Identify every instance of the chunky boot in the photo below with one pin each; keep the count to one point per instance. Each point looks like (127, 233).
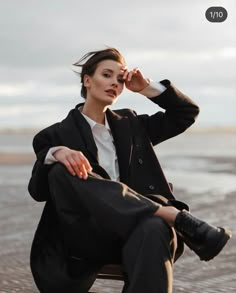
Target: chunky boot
(204, 239)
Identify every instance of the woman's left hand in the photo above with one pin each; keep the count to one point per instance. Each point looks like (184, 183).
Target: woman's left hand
(134, 80)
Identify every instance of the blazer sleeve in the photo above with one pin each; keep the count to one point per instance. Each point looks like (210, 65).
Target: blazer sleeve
(180, 113)
(38, 185)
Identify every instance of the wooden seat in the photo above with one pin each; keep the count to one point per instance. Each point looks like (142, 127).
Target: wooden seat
(111, 272)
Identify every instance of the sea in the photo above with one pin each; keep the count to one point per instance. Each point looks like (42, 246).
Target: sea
(34, 113)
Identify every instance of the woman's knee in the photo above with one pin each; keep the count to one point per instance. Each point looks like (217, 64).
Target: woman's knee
(58, 171)
(157, 227)
(155, 230)
(59, 179)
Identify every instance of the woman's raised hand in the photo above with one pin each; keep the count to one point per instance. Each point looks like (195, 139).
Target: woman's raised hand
(134, 80)
(75, 162)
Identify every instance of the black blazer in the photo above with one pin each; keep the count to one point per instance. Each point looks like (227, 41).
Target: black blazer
(134, 138)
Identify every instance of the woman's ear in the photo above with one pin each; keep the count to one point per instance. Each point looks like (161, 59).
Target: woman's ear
(86, 80)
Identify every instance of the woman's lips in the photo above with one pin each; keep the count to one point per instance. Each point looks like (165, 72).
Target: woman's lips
(111, 92)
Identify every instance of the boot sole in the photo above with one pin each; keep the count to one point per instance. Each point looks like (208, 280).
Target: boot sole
(214, 251)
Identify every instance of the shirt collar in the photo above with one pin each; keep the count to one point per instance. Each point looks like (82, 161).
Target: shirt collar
(93, 123)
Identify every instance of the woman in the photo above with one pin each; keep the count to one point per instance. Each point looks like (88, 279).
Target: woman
(107, 200)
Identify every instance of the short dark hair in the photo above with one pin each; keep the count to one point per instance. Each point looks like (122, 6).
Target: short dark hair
(93, 58)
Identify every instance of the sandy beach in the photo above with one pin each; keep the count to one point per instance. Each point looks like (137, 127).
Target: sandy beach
(200, 164)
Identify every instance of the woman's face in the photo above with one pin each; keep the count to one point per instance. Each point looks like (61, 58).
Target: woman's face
(106, 84)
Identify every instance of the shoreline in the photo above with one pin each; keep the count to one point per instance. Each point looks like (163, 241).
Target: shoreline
(193, 129)
(16, 146)
(16, 158)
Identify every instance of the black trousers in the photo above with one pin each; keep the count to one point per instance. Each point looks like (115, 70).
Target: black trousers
(104, 222)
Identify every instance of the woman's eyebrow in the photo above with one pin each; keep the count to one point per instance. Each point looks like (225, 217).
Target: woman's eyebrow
(107, 69)
(112, 71)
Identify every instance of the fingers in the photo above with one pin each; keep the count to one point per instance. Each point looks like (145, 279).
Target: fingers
(69, 167)
(83, 166)
(79, 164)
(133, 73)
(128, 75)
(75, 162)
(134, 79)
(125, 72)
(74, 166)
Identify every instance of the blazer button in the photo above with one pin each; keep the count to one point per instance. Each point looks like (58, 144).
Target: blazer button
(151, 187)
(140, 161)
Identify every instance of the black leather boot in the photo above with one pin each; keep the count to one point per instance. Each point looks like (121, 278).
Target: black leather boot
(204, 239)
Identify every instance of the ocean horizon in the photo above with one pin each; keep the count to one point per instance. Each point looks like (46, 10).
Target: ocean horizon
(31, 113)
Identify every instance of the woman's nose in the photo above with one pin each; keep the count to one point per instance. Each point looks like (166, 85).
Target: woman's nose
(115, 83)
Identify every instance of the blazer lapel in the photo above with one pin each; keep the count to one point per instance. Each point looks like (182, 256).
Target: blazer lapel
(120, 127)
(77, 134)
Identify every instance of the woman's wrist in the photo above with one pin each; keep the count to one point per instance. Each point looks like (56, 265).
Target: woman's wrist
(153, 89)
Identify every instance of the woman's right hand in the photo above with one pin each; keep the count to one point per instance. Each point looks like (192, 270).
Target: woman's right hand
(75, 161)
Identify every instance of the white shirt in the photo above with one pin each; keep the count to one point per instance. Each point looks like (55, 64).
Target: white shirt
(103, 138)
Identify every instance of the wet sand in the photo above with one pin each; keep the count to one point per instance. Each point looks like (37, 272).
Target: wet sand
(202, 167)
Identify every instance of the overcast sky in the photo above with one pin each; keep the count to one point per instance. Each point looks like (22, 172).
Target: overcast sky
(166, 39)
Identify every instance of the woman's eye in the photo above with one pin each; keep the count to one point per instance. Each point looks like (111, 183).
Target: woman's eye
(106, 75)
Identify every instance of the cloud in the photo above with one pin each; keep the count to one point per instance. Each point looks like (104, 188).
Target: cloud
(166, 39)
(52, 33)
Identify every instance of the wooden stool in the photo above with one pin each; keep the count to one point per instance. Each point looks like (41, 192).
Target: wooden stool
(110, 272)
